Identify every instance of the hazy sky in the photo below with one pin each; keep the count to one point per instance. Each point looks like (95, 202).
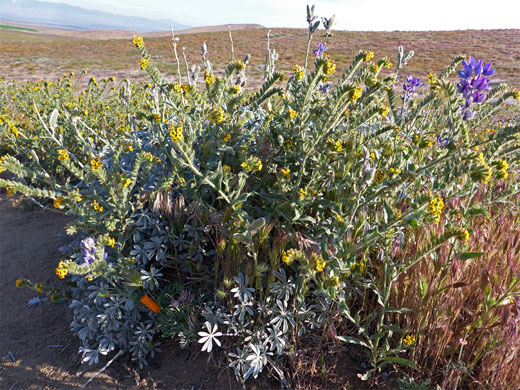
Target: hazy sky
(350, 14)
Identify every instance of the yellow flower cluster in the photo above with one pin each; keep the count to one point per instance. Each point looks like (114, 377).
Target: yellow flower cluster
(96, 206)
(111, 242)
(9, 190)
(127, 182)
(502, 166)
(138, 41)
(330, 67)
(292, 113)
(176, 87)
(394, 171)
(226, 137)
(240, 65)
(340, 219)
(379, 176)
(463, 235)
(435, 208)
(157, 118)
(235, 89)
(11, 128)
(409, 340)
(517, 94)
(62, 154)
(289, 256)
(186, 87)
(252, 164)
(432, 78)
(176, 133)
(286, 172)
(143, 63)
(95, 164)
(301, 193)
(57, 202)
(356, 94)
(487, 168)
(387, 63)
(217, 115)
(62, 269)
(319, 263)
(298, 72)
(367, 55)
(19, 282)
(209, 77)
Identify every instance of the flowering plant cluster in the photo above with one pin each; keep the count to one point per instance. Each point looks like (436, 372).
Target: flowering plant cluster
(256, 221)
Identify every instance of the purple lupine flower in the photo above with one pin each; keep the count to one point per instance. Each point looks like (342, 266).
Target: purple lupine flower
(88, 250)
(409, 87)
(318, 52)
(473, 84)
(324, 88)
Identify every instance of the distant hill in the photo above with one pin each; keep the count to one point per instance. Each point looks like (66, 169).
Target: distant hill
(77, 18)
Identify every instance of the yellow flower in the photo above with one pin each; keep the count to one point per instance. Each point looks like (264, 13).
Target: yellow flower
(292, 113)
(127, 182)
(19, 282)
(176, 87)
(209, 77)
(463, 235)
(384, 110)
(62, 154)
(235, 89)
(320, 263)
(138, 41)
(367, 55)
(62, 269)
(409, 340)
(286, 172)
(258, 165)
(157, 118)
(143, 63)
(226, 168)
(9, 190)
(340, 219)
(57, 202)
(111, 242)
(338, 146)
(356, 94)
(432, 78)
(289, 256)
(176, 133)
(217, 115)
(186, 87)
(379, 177)
(330, 67)
(227, 137)
(301, 193)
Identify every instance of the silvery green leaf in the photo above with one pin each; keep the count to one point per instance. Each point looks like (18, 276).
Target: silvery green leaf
(53, 120)
(256, 225)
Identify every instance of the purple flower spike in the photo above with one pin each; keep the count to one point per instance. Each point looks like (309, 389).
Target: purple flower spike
(320, 50)
(88, 250)
(473, 83)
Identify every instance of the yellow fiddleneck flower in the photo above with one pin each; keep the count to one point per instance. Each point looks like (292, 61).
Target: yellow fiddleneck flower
(111, 242)
(409, 340)
(379, 176)
(330, 67)
(19, 282)
(209, 77)
(356, 94)
(138, 41)
(286, 172)
(367, 55)
(292, 113)
(62, 154)
(57, 202)
(143, 63)
(320, 263)
(127, 182)
(301, 193)
(227, 137)
(186, 87)
(338, 146)
(340, 219)
(217, 115)
(235, 89)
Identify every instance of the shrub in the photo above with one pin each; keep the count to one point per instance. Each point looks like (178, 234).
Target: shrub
(259, 219)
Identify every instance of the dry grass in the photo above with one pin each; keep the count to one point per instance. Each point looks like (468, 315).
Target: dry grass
(31, 56)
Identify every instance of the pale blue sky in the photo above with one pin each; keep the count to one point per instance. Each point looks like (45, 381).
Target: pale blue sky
(350, 14)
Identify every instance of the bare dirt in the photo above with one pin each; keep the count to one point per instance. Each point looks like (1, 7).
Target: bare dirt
(39, 339)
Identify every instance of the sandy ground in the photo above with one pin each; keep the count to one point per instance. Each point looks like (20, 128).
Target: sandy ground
(29, 249)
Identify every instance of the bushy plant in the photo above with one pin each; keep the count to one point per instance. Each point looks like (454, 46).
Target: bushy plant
(272, 214)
